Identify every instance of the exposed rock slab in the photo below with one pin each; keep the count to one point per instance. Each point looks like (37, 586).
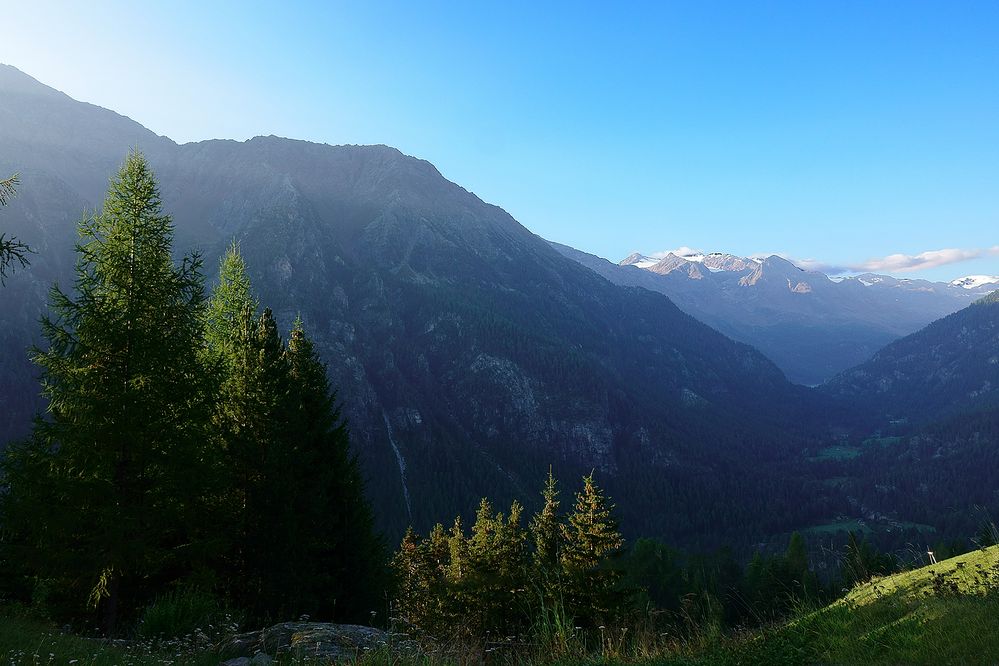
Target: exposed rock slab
(319, 640)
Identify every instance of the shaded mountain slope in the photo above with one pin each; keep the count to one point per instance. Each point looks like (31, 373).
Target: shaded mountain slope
(469, 354)
(950, 366)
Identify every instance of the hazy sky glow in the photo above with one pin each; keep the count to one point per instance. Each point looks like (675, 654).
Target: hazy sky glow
(855, 134)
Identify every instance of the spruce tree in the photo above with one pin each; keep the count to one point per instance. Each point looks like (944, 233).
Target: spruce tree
(412, 571)
(591, 542)
(804, 583)
(104, 496)
(304, 540)
(443, 609)
(341, 558)
(259, 453)
(545, 529)
(546, 574)
(498, 567)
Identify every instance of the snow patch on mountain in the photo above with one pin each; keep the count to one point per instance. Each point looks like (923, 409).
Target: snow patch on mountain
(684, 252)
(639, 260)
(975, 281)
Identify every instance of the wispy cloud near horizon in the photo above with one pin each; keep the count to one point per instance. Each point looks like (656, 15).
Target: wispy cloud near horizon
(900, 263)
(892, 263)
(904, 263)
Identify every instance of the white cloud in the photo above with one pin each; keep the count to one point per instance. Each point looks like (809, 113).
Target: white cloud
(683, 251)
(906, 263)
(893, 263)
(820, 266)
(897, 263)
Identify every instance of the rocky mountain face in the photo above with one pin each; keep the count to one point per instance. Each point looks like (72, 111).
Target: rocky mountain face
(469, 354)
(811, 326)
(949, 367)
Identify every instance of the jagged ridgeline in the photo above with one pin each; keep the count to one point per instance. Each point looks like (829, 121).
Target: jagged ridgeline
(812, 326)
(468, 354)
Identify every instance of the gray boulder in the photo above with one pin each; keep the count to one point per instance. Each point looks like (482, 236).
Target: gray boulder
(318, 640)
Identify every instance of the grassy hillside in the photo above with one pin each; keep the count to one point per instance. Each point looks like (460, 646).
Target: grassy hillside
(947, 613)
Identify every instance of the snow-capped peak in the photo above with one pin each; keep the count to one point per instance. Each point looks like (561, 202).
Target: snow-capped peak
(975, 281)
(715, 262)
(639, 260)
(688, 253)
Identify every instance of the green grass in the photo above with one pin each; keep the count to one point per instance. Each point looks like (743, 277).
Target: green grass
(947, 613)
(24, 641)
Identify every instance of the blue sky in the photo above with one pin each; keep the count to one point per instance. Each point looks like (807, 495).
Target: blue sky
(841, 132)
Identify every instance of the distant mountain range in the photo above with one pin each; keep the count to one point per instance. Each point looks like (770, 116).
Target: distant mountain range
(469, 354)
(812, 326)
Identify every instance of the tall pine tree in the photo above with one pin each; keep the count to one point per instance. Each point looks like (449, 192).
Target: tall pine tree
(303, 540)
(341, 568)
(545, 532)
(591, 541)
(103, 499)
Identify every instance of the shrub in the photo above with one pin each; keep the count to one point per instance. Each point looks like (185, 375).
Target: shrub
(183, 612)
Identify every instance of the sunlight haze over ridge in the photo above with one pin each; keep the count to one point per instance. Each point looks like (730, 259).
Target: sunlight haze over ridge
(842, 133)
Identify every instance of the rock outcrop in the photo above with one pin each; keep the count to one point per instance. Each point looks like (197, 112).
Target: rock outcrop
(317, 640)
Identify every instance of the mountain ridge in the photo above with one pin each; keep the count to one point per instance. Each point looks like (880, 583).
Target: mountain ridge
(810, 325)
(948, 367)
(469, 354)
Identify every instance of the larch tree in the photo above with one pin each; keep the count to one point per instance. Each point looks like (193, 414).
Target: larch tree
(230, 301)
(103, 497)
(13, 253)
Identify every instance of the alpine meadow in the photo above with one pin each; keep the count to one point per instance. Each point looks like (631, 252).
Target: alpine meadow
(270, 400)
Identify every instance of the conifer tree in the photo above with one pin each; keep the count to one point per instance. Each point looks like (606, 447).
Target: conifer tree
(803, 581)
(591, 534)
(305, 541)
(442, 612)
(458, 564)
(12, 251)
(341, 558)
(259, 449)
(232, 298)
(412, 581)
(498, 567)
(545, 530)
(591, 541)
(546, 575)
(104, 497)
